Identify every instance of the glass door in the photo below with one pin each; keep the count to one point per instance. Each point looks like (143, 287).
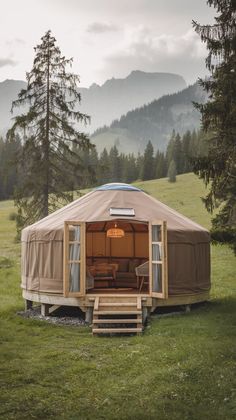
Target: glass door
(74, 259)
(158, 275)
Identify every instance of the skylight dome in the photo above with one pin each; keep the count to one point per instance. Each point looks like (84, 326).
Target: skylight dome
(117, 186)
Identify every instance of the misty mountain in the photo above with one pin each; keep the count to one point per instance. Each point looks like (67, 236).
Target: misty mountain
(154, 122)
(9, 90)
(103, 103)
(118, 96)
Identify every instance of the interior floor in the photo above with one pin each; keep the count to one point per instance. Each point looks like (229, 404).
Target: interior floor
(117, 290)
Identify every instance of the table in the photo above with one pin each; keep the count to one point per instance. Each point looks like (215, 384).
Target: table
(104, 271)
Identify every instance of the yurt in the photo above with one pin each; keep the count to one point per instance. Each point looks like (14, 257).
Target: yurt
(115, 252)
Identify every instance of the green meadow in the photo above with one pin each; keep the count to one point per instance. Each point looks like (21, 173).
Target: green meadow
(181, 367)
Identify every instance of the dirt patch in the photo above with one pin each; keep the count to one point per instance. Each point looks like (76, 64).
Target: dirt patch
(62, 316)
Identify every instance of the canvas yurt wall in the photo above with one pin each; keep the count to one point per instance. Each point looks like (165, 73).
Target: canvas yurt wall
(188, 242)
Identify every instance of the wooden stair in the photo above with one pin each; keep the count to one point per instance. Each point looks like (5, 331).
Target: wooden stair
(117, 315)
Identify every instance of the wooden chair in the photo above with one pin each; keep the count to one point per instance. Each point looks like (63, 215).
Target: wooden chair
(142, 273)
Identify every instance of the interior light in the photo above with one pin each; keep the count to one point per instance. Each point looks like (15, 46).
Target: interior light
(115, 232)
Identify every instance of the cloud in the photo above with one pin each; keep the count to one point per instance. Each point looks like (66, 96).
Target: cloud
(15, 41)
(7, 62)
(183, 54)
(100, 28)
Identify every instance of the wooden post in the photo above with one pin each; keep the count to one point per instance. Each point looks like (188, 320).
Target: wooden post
(144, 314)
(28, 304)
(187, 308)
(45, 309)
(89, 315)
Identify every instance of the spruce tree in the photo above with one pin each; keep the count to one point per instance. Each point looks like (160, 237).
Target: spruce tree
(104, 170)
(218, 167)
(148, 163)
(130, 172)
(49, 131)
(172, 172)
(160, 165)
(178, 154)
(186, 144)
(115, 165)
(9, 150)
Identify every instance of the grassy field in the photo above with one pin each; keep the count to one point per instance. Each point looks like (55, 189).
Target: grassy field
(182, 367)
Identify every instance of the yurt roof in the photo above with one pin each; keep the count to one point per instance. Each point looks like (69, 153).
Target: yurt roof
(95, 206)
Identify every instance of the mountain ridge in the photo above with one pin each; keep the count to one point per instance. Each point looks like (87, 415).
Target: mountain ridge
(104, 103)
(154, 121)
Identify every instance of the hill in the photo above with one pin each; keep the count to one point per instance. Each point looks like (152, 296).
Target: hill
(106, 102)
(154, 122)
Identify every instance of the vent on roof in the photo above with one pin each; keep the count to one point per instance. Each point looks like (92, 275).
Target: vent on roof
(117, 186)
(115, 211)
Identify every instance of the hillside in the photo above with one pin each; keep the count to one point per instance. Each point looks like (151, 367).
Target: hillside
(154, 122)
(106, 102)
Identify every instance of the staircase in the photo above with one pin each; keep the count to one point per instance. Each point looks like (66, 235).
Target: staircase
(117, 315)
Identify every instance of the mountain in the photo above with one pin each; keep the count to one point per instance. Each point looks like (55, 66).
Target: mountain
(118, 96)
(103, 103)
(154, 122)
(9, 90)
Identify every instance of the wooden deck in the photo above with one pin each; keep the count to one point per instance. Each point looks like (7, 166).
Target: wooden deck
(112, 309)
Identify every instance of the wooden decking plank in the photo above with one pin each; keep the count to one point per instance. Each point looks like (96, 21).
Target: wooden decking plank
(118, 304)
(116, 330)
(117, 312)
(116, 321)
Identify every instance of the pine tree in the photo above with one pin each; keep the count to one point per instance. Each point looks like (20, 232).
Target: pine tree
(9, 150)
(139, 163)
(115, 165)
(130, 172)
(93, 165)
(172, 172)
(148, 163)
(104, 170)
(49, 131)
(178, 154)
(160, 165)
(186, 144)
(218, 168)
(170, 148)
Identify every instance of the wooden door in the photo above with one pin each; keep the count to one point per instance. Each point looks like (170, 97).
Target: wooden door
(74, 259)
(158, 275)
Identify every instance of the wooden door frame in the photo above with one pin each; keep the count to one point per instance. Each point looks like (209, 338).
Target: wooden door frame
(82, 242)
(163, 262)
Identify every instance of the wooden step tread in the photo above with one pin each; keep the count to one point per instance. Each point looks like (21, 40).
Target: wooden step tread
(116, 330)
(117, 304)
(117, 321)
(125, 312)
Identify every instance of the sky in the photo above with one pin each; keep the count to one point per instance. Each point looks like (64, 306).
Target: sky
(106, 38)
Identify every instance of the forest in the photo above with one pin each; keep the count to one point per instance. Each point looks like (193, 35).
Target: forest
(110, 166)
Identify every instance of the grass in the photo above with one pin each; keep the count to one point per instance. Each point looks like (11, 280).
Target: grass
(182, 367)
(183, 195)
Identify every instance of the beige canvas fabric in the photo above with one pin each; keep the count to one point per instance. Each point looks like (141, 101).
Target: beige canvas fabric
(188, 242)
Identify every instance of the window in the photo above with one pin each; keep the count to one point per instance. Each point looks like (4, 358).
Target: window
(74, 252)
(158, 259)
(114, 211)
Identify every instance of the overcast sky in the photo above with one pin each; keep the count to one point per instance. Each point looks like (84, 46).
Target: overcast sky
(107, 38)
